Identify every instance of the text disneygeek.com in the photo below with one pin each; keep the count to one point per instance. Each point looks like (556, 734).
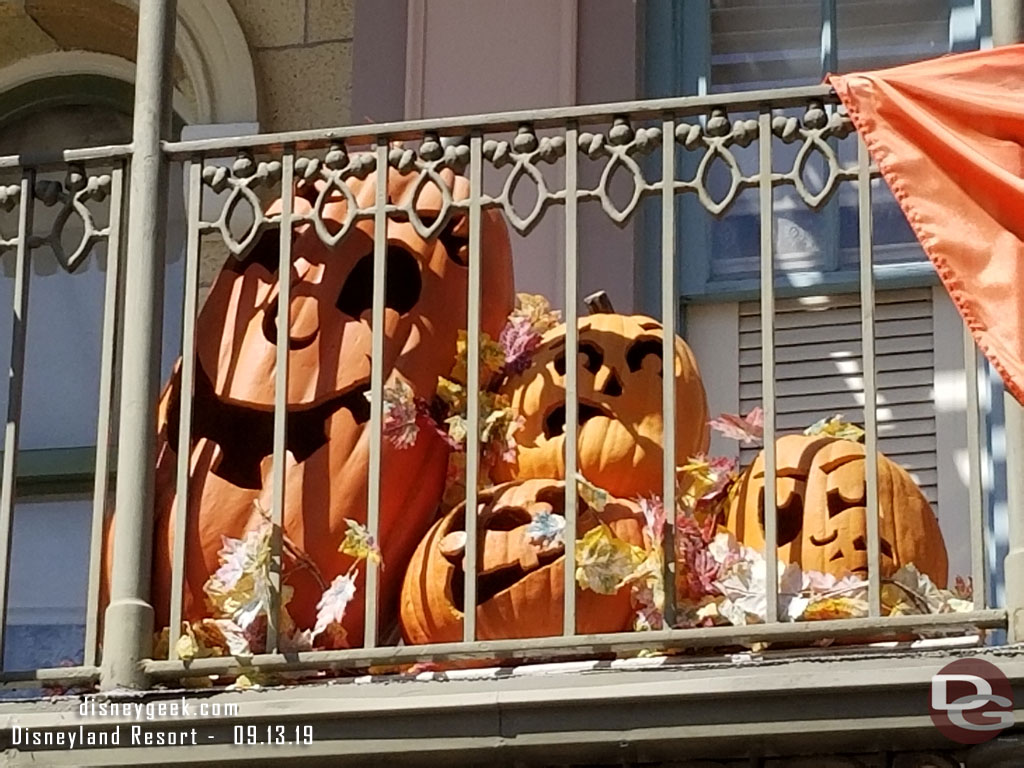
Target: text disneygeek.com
(148, 731)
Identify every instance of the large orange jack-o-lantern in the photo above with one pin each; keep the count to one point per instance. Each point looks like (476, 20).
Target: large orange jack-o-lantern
(520, 585)
(620, 419)
(328, 436)
(821, 501)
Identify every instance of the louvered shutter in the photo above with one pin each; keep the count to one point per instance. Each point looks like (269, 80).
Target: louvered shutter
(819, 371)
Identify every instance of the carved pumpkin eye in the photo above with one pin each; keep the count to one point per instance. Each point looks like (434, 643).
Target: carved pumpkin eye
(401, 292)
(593, 358)
(789, 516)
(640, 349)
(455, 241)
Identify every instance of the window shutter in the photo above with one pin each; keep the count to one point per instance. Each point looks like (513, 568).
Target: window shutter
(819, 371)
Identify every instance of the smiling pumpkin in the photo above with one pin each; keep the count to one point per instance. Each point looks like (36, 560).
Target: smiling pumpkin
(619, 441)
(328, 438)
(821, 502)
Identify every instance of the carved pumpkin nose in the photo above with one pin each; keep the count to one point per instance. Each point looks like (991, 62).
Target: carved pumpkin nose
(303, 322)
(612, 385)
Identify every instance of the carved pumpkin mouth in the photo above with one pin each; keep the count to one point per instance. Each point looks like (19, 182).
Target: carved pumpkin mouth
(245, 434)
(493, 583)
(554, 422)
(493, 580)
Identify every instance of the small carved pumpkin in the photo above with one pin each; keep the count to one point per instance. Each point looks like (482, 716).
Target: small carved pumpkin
(620, 418)
(328, 436)
(519, 584)
(821, 501)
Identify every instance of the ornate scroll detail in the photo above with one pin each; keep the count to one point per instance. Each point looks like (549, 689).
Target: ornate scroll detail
(813, 131)
(717, 138)
(10, 195)
(431, 166)
(525, 151)
(434, 156)
(244, 177)
(327, 181)
(621, 146)
(73, 196)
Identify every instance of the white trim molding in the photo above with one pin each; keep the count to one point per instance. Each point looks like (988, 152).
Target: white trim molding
(212, 48)
(216, 56)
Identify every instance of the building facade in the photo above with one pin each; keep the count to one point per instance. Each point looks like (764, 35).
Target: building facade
(300, 68)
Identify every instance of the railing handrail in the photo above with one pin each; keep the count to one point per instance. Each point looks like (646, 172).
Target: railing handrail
(43, 160)
(680, 106)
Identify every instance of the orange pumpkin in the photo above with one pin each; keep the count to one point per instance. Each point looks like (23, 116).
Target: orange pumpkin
(328, 438)
(821, 501)
(620, 420)
(520, 586)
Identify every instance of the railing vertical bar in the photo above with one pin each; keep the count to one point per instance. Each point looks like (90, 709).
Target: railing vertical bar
(571, 373)
(668, 356)
(128, 620)
(380, 251)
(187, 388)
(108, 357)
(280, 469)
(473, 383)
(975, 494)
(16, 380)
(1013, 564)
(867, 317)
(767, 224)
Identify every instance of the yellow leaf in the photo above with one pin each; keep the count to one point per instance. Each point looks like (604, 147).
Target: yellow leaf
(186, 647)
(595, 498)
(536, 310)
(492, 356)
(358, 543)
(836, 427)
(605, 562)
(835, 608)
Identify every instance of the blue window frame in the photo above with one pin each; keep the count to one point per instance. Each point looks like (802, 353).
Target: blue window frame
(712, 46)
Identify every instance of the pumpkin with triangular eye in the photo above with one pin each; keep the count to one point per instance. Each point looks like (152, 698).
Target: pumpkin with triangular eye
(821, 502)
(328, 437)
(619, 441)
(520, 582)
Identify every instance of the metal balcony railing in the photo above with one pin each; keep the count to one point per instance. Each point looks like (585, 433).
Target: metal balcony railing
(646, 140)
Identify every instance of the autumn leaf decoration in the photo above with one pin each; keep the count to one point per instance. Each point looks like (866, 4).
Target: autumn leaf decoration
(747, 429)
(835, 426)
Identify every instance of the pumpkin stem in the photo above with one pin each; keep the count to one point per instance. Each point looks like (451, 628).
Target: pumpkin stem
(599, 304)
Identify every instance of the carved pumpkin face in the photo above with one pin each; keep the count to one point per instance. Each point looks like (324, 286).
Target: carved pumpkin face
(519, 585)
(620, 420)
(329, 374)
(821, 500)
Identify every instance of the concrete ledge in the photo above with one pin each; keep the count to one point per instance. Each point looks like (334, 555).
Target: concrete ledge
(543, 714)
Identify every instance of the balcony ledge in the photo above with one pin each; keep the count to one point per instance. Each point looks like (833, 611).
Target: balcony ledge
(633, 711)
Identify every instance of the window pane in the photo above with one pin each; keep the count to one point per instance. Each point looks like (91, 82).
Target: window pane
(764, 44)
(49, 577)
(778, 44)
(880, 33)
(65, 317)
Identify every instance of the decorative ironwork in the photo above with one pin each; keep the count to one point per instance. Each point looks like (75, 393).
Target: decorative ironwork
(814, 130)
(9, 198)
(327, 179)
(717, 137)
(73, 195)
(524, 152)
(622, 145)
(245, 176)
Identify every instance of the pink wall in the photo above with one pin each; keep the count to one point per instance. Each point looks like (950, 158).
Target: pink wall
(467, 56)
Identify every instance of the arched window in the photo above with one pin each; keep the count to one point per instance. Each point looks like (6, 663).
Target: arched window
(69, 83)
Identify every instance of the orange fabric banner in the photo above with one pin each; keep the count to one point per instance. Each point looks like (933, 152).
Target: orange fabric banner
(948, 137)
